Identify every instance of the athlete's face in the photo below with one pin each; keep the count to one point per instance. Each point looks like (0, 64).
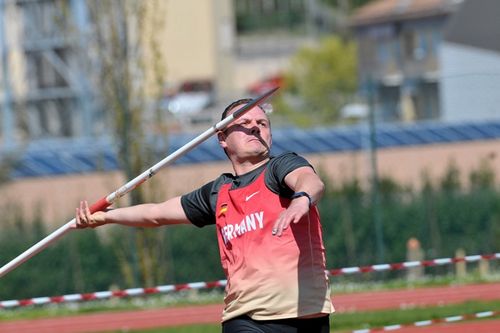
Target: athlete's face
(248, 137)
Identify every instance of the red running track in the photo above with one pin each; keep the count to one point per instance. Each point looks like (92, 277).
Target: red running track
(376, 300)
(416, 297)
(490, 326)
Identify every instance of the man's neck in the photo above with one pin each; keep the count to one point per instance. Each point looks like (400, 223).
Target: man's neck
(240, 168)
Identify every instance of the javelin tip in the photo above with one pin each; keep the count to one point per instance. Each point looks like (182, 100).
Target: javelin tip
(254, 102)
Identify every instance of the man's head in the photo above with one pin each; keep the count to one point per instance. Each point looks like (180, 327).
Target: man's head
(230, 107)
(249, 136)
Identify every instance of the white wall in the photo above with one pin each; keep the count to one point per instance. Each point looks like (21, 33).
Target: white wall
(469, 83)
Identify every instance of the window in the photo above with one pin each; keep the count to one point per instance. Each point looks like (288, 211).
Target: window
(409, 44)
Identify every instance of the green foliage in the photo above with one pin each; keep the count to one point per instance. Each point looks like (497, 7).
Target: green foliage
(8, 162)
(125, 61)
(194, 254)
(321, 80)
(251, 22)
(451, 180)
(77, 263)
(352, 4)
(443, 220)
(442, 217)
(484, 177)
(84, 261)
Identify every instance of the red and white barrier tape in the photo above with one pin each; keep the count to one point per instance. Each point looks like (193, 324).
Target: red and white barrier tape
(222, 283)
(429, 322)
(411, 264)
(110, 294)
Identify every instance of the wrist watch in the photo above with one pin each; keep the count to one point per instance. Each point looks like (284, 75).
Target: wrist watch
(302, 194)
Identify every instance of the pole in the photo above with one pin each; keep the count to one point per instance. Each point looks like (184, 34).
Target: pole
(375, 201)
(106, 201)
(7, 130)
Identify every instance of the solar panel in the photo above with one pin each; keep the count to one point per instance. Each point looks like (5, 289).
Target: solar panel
(65, 156)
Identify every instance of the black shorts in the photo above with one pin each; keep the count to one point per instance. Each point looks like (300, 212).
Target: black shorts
(245, 324)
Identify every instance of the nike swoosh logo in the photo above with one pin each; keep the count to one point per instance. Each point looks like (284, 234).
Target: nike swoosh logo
(250, 196)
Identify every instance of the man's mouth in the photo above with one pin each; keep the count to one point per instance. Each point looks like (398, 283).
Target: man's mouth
(255, 139)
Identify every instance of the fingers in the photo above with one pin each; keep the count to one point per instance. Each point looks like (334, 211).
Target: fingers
(283, 222)
(87, 211)
(292, 214)
(81, 219)
(279, 227)
(84, 218)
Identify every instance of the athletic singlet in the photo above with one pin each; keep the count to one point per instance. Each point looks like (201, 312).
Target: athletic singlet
(269, 277)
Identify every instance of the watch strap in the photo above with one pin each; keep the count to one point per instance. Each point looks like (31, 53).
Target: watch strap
(302, 194)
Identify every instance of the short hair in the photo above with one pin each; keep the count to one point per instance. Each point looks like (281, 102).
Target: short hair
(233, 105)
(266, 108)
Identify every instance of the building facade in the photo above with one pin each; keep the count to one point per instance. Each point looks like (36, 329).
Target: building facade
(470, 63)
(49, 65)
(407, 154)
(398, 55)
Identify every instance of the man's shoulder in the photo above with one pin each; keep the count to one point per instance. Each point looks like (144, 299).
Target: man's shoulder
(221, 180)
(287, 158)
(214, 185)
(282, 164)
(287, 155)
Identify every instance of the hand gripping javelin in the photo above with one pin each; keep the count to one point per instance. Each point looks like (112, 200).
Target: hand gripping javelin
(106, 201)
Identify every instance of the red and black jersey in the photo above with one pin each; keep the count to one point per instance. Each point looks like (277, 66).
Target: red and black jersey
(269, 277)
(199, 205)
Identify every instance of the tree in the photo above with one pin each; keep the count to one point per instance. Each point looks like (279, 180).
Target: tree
(131, 74)
(320, 81)
(346, 5)
(7, 163)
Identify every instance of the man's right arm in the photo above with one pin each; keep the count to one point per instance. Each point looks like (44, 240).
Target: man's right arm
(145, 215)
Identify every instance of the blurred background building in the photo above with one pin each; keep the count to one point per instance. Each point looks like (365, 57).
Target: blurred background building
(432, 80)
(394, 102)
(427, 60)
(214, 51)
(470, 63)
(47, 91)
(414, 56)
(399, 55)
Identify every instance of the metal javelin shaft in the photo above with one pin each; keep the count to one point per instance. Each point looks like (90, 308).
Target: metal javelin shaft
(106, 201)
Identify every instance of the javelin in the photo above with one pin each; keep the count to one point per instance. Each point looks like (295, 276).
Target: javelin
(106, 201)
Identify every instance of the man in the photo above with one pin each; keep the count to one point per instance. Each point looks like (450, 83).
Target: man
(268, 229)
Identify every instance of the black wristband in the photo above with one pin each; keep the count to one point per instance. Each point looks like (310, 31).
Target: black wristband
(302, 194)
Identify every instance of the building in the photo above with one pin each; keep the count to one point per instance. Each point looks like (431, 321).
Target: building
(48, 77)
(405, 153)
(49, 63)
(48, 95)
(66, 151)
(398, 54)
(470, 63)
(45, 93)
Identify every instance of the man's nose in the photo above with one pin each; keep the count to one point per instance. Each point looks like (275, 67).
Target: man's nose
(255, 129)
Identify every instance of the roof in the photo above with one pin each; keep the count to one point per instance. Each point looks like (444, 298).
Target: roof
(477, 24)
(60, 157)
(382, 11)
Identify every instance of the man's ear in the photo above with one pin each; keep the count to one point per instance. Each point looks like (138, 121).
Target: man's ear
(221, 136)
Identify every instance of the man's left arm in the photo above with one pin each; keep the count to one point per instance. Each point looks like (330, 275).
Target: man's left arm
(308, 189)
